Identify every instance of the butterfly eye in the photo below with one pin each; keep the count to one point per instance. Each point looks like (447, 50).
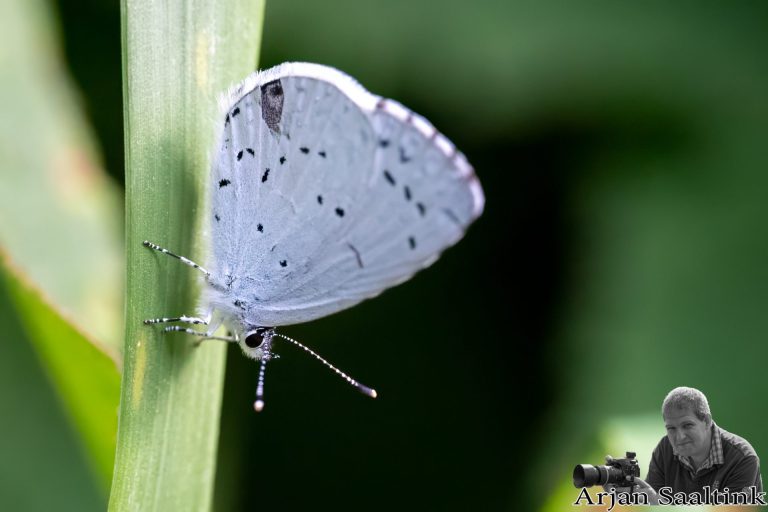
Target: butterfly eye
(255, 339)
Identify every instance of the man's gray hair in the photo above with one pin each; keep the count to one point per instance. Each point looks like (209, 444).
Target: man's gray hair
(688, 398)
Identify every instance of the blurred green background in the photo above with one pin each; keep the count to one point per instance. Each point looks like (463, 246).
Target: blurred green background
(623, 252)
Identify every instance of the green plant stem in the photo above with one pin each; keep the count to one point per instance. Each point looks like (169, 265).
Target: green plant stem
(177, 58)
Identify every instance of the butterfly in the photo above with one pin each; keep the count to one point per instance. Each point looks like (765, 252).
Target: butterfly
(321, 195)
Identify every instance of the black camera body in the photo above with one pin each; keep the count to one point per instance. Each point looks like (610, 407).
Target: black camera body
(621, 472)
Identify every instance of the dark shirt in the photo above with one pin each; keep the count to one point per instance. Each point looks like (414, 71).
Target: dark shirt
(740, 467)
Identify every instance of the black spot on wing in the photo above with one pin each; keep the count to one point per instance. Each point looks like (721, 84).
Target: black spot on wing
(236, 111)
(389, 178)
(321, 153)
(272, 104)
(239, 155)
(304, 150)
(404, 159)
(216, 216)
(319, 199)
(226, 121)
(224, 183)
(250, 151)
(412, 242)
(407, 191)
(265, 175)
(282, 160)
(259, 228)
(422, 208)
(383, 143)
(283, 263)
(340, 212)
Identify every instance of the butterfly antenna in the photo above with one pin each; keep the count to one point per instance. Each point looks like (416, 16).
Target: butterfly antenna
(360, 387)
(259, 403)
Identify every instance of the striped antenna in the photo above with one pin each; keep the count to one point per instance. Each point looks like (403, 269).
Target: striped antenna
(360, 387)
(258, 405)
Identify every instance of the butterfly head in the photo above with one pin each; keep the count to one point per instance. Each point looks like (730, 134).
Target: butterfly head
(257, 343)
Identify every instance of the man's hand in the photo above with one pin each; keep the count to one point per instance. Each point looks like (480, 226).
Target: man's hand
(643, 486)
(640, 485)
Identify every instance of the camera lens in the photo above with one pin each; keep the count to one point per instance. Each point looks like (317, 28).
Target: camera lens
(585, 475)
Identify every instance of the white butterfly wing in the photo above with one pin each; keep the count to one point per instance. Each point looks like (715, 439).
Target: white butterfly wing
(325, 195)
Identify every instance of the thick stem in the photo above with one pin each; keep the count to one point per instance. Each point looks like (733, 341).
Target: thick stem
(177, 57)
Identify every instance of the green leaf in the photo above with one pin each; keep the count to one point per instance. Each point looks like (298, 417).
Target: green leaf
(59, 214)
(86, 380)
(177, 58)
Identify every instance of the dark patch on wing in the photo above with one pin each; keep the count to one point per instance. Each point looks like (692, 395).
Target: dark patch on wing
(216, 216)
(407, 191)
(339, 212)
(226, 120)
(282, 160)
(321, 153)
(357, 255)
(272, 104)
(389, 178)
(265, 175)
(422, 208)
(224, 183)
(259, 228)
(236, 111)
(239, 155)
(412, 242)
(319, 199)
(283, 263)
(449, 213)
(304, 150)
(383, 143)
(250, 151)
(403, 157)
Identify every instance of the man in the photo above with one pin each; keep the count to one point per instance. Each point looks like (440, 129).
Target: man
(696, 453)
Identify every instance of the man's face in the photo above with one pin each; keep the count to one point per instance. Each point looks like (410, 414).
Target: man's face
(689, 435)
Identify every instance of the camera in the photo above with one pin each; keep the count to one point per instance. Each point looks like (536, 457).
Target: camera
(615, 471)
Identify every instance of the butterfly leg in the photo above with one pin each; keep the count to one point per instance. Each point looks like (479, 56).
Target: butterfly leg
(183, 318)
(206, 320)
(184, 260)
(208, 335)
